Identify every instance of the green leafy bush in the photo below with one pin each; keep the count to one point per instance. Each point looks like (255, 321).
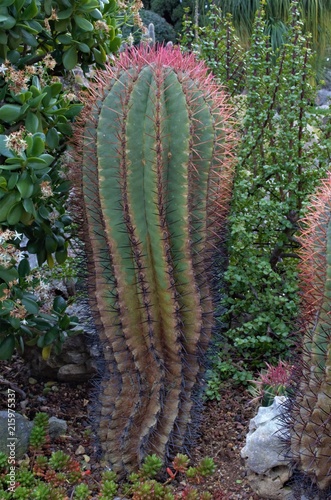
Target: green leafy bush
(217, 44)
(29, 314)
(285, 150)
(39, 40)
(164, 32)
(73, 32)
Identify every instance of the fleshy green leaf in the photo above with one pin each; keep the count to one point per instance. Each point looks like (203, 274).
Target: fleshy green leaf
(83, 23)
(7, 346)
(10, 112)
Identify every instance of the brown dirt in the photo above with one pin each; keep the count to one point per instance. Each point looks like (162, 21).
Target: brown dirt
(223, 428)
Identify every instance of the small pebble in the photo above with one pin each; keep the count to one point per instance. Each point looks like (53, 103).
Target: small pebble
(80, 450)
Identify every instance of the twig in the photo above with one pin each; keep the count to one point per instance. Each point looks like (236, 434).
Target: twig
(13, 386)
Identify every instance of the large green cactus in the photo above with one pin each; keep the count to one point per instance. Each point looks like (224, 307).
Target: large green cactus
(311, 413)
(154, 156)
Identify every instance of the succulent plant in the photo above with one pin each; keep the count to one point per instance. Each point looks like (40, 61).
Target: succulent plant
(153, 150)
(311, 408)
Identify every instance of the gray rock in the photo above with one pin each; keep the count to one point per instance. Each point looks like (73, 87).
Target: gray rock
(57, 427)
(14, 434)
(74, 373)
(267, 467)
(323, 97)
(75, 352)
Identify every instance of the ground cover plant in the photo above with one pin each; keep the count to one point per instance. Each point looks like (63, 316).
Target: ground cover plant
(55, 475)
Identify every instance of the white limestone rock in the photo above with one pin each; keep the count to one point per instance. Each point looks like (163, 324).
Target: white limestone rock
(268, 469)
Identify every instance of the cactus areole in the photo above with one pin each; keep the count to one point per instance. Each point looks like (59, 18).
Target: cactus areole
(153, 151)
(310, 425)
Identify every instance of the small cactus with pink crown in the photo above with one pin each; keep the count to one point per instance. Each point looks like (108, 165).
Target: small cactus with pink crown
(154, 156)
(310, 423)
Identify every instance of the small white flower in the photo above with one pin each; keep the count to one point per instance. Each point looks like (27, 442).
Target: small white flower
(18, 235)
(130, 40)
(3, 69)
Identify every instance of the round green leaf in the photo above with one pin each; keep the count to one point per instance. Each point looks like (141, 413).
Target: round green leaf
(30, 305)
(64, 128)
(43, 212)
(24, 268)
(3, 183)
(7, 346)
(40, 341)
(6, 203)
(61, 256)
(83, 23)
(29, 206)
(56, 88)
(70, 58)
(50, 244)
(25, 185)
(6, 3)
(7, 22)
(8, 275)
(96, 14)
(84, 48)
(64, 323)
(31, 11)
(32, 122)
(64, 14)
(10, 112)
(59, 304)
(15, 214)
(52, 138)
(12, 181)
(115, 44)
(64, 39)
(51, 335)
(41, 256)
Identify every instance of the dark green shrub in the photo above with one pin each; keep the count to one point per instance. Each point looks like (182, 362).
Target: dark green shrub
(164, 32)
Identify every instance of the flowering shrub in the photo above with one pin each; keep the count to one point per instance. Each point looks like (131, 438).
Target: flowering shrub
(284, 151)
(40, 42)
(28, 309)
(34, 124)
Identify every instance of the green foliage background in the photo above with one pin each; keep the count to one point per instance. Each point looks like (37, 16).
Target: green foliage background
(283, 152)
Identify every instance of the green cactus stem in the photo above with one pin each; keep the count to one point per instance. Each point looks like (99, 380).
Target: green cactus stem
(154, 157)
(311, 412)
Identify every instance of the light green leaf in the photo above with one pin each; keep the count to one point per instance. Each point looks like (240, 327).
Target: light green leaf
(70, 58)
(10, 112)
